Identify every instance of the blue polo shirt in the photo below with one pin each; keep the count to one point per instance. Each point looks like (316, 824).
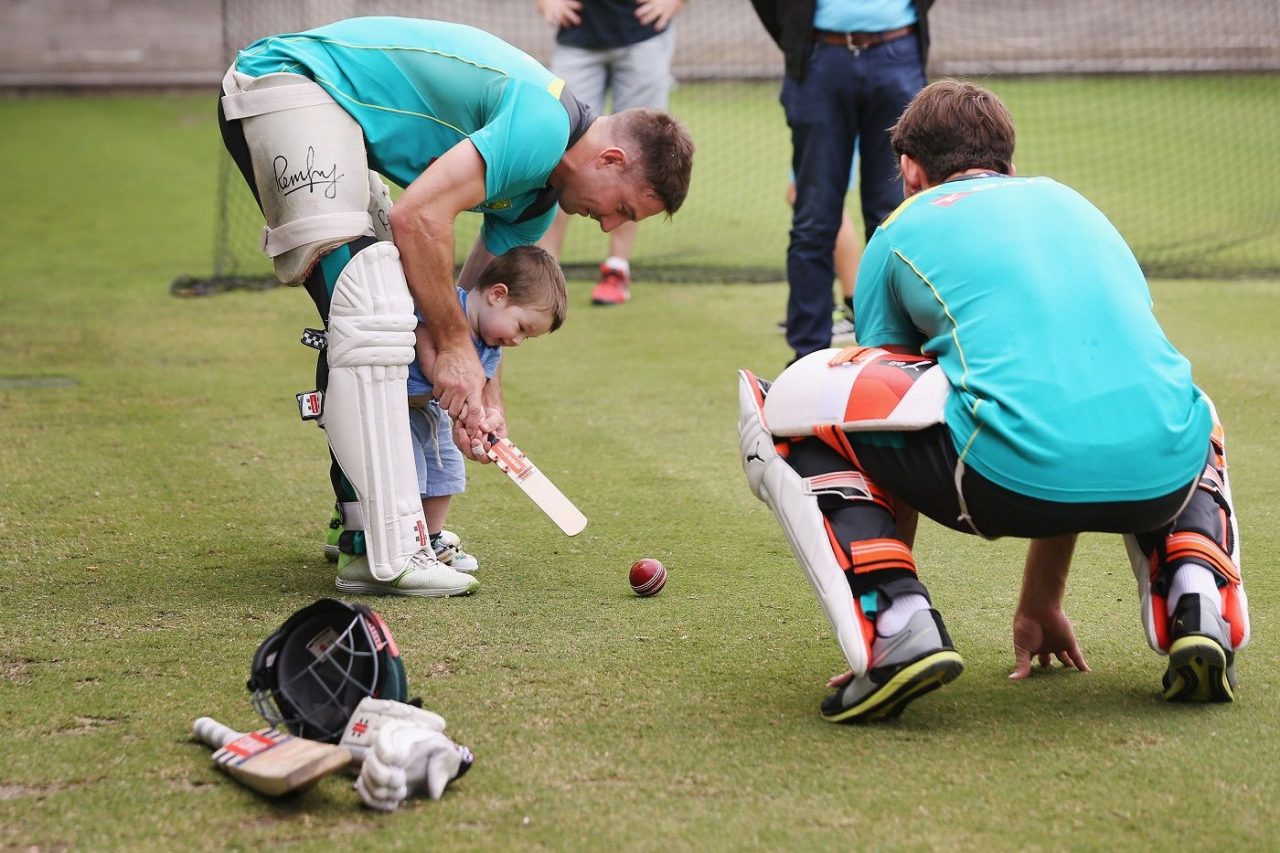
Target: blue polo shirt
(418, 384)
(417, 88)
(1064, 386)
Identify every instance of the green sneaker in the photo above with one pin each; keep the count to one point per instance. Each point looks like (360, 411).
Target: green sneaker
(331, 551)
(422, 576)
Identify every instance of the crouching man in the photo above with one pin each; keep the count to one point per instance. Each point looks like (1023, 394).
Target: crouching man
(1012, 381)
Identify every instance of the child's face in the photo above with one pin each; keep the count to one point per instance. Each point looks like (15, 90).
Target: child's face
(500, 324)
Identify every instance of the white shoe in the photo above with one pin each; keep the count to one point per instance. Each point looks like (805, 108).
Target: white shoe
(423, 575)
(449, 551)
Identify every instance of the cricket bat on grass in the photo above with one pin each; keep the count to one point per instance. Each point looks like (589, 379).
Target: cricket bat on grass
(535, 484)
(270, 761)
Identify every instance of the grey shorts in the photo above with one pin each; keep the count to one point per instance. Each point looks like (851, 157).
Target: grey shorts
(437, 459)
(639, 75)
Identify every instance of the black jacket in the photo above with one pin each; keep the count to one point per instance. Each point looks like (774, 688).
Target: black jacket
(790, 23)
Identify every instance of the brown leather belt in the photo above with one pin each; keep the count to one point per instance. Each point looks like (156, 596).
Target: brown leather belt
(862, 41)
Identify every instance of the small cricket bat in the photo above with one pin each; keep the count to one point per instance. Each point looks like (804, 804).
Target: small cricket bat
(270, 761)
(536, 485)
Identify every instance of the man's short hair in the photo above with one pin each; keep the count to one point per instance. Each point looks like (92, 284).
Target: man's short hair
(533, 280)
(951, 126)
(663, 151)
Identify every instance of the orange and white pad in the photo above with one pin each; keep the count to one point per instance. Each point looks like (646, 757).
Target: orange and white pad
(1186, 544)
(795, 504)
(512, 461)
(856, 389)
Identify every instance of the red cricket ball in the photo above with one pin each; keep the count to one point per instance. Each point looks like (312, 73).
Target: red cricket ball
(647, 577)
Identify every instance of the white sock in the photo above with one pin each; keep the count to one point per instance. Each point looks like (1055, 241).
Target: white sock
(1192, 578)
(622, 265)
(901, 609)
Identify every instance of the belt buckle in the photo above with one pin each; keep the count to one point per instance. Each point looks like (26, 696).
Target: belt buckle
(855, 49)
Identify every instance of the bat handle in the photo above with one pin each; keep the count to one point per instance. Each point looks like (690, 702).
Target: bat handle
(213, 733)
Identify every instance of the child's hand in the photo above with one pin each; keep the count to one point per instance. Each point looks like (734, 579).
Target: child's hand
(474, 448)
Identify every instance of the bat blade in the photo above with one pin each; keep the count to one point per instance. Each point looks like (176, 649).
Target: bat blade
(270, 761)
(537, 486)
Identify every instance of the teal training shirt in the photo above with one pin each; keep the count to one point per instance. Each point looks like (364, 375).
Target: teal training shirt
(418, 87)
(1064, 386)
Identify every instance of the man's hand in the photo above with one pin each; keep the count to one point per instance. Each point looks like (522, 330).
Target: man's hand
(459, 386)
(657, 12)
(560, 13)
(1040, 628)
(1044, 636)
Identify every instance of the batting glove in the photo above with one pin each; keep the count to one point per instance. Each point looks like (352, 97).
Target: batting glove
(408, 759)
(372, 715)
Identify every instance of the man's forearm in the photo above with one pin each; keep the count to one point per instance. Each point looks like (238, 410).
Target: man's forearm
(1044, 579)
(426, 253)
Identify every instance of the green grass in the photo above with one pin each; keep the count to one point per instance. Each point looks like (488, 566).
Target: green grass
(162, 510)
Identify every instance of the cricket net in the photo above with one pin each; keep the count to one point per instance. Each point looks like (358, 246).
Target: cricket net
(1162, 112)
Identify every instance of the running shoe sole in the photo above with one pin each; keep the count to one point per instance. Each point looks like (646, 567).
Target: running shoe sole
(908, 684)
(372, 588)
(1198, 671)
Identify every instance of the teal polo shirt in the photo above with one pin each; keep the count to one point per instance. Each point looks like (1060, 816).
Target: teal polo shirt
(417, 88)
(1064, 386)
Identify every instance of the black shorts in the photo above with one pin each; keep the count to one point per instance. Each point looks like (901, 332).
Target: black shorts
(924, 470)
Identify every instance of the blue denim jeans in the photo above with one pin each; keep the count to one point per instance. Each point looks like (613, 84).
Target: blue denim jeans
(847, 98)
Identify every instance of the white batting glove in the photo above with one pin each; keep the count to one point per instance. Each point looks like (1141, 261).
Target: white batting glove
(373, 715)
(408, 759)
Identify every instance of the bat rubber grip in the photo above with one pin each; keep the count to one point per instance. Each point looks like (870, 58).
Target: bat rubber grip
(213, 733)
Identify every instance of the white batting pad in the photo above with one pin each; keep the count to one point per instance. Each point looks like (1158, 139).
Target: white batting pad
(371, 342)
(783, 490)
(867, 389)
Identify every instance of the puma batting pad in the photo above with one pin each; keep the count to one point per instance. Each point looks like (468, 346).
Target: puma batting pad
(796, 507)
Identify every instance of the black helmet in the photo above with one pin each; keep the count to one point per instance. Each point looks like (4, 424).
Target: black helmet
(310, 674)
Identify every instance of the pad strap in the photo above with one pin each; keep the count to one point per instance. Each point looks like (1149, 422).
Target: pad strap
(300, 232)
(352, 516)
(1188, 545)
(238, 104)
(874, 555)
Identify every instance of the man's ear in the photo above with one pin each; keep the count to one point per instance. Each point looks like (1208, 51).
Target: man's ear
(1013, 170)
(612, 156)
(496, 293)
(913, 176)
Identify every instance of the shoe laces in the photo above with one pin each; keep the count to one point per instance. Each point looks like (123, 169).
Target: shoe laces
(422, 560)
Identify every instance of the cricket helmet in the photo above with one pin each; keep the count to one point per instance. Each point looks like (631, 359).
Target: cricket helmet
(310, 675)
